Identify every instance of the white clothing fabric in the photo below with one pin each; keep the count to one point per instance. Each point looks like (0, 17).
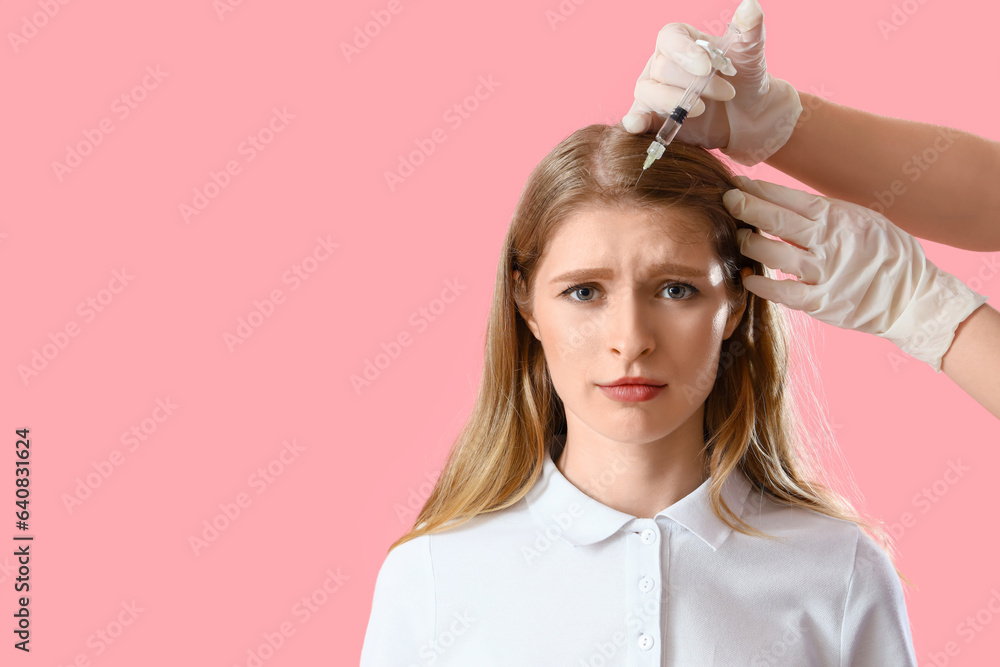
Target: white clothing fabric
(559, 579)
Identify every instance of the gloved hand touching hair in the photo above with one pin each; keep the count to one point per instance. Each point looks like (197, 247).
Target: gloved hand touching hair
(748, 117)
(856, 269)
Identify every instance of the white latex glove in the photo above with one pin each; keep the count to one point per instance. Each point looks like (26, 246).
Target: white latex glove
(856, 269)
(749, 119)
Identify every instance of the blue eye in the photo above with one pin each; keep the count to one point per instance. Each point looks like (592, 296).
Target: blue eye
(691, 288)
(678, 283)
(577, 288)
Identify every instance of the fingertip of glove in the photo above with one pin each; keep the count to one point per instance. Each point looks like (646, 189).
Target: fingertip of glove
(634, 123)
(748, 15)
(734, 200)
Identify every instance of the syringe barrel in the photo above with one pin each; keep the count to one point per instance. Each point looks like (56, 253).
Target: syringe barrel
(669, 130)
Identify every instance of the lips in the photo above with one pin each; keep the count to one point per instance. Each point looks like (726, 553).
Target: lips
(632, 392)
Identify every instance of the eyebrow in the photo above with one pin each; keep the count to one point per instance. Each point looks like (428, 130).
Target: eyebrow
(658, 270)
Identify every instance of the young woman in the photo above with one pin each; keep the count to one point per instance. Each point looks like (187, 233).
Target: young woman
(633, 486)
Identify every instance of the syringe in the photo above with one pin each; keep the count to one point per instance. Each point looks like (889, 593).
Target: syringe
(717, 54)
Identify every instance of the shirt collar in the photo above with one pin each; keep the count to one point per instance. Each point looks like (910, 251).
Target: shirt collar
(581, 520)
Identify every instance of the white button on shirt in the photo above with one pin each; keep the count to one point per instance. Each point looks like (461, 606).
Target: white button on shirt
(560, 580)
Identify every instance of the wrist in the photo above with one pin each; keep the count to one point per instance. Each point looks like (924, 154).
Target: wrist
(926, 327)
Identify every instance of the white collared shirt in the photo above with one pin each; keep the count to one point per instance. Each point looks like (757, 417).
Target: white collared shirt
(561, 580)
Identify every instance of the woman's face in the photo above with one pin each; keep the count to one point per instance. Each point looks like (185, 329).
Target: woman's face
(616, 295)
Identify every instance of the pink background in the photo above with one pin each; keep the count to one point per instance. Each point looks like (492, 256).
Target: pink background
(330, 507)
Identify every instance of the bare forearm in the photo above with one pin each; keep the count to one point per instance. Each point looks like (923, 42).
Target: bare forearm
(973, 360)
(934, 182)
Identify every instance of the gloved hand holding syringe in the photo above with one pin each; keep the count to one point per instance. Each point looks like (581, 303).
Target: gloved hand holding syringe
(672, 125)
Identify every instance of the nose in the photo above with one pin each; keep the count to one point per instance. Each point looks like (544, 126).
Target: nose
(629, 328)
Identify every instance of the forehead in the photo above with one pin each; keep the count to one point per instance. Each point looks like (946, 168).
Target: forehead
(601, 236)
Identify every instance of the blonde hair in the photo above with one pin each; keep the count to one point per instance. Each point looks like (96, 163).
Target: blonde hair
(750, 420)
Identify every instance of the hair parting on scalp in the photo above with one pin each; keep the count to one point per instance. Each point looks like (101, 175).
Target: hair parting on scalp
(755, 415)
